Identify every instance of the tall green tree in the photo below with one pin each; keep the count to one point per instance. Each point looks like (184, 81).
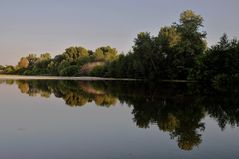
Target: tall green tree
(99, 54)
(192, 39)
(191, 45)
(74, 53)
(144, 49)
(165, 44)
(106, 53)
(32, 58)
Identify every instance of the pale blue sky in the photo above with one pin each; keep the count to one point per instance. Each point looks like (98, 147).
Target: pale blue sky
(37, 26)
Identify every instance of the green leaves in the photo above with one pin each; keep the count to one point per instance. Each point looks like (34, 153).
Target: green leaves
(105, 54)
(219, 64)
(74, 53)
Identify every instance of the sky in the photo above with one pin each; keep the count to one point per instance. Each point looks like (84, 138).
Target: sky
(39, 26)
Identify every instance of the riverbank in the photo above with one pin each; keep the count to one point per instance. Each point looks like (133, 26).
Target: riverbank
(20, 77)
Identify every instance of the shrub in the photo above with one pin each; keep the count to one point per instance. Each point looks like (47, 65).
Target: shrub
(70, 71)
(98, 71)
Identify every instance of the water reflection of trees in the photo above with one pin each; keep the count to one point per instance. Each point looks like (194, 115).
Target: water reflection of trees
(177, 109)
(74, 93)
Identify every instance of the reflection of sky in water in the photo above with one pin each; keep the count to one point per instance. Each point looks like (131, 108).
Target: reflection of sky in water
(47, 128)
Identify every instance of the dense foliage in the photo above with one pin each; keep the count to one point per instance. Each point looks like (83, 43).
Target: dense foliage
(178, 52)
(68, 63)
(170, 55)
(220, 64)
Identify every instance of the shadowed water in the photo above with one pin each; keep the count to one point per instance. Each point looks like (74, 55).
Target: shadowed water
(103, 119)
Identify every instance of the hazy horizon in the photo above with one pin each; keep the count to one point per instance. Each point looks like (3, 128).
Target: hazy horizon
(30, 26)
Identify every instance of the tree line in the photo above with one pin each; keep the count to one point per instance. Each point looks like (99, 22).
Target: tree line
(68, 63)
(178, 52)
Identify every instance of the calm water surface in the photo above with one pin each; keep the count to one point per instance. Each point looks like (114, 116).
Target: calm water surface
(118, 120)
